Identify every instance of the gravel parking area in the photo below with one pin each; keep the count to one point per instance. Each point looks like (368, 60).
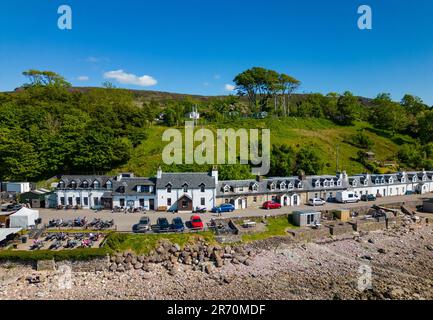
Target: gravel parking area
(125, 221)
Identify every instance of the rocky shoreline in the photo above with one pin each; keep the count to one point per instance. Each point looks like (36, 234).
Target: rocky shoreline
(400, 260)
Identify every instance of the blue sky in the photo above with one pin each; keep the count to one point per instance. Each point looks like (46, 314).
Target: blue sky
(197, 47)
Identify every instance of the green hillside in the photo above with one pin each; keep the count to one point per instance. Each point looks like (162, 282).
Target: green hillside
(323, 134)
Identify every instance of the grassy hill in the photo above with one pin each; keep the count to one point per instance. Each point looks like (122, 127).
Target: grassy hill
(295, 132)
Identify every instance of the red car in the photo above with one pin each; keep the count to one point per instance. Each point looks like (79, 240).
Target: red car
(196, 223)
(271, 205)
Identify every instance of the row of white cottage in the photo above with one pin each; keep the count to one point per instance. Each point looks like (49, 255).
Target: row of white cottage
(187, 191)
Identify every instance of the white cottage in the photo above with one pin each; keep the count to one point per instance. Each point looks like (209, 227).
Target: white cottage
(184, 192)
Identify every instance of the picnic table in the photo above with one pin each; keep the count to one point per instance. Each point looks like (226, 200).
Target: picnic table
(249, 224)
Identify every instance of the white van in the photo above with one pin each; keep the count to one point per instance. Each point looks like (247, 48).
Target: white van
(347, 197)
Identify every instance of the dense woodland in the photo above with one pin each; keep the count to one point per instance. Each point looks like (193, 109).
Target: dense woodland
(47, 127)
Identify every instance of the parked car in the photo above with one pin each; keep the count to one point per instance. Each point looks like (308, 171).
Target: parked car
(227, 207)
(162, 224)
(143, 225)
(368, 197)
(347, 197)
(316, 202)
(196, 223)
(271, 205)
(200, 210)
(177, 224)
(409, 193)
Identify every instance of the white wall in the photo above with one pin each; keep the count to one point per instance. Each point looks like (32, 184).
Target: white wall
(90, 194)
(162, 195)
(135, 200)
(18, 187)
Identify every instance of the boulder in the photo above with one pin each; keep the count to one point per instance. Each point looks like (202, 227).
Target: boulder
(46, 265)
(138, 266)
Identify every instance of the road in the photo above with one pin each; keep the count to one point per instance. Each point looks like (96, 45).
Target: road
(125, 221)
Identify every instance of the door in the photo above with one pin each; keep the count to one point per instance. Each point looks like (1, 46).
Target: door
(151, 204)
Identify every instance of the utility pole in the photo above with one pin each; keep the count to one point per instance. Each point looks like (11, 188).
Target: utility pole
(337, 159)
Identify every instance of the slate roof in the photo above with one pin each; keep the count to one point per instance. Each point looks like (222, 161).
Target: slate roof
(193, 180)
(128, 186)
(79, 179)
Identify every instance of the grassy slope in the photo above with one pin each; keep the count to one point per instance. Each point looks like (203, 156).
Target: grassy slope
(296, 132)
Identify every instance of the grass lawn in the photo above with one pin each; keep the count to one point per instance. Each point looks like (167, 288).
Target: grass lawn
(144, 243)
(277, 226)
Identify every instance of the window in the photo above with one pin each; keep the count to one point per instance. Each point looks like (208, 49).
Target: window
(391, 180)
(141, 202)
(365, 182)
(254, 199)
(300, 185)
(85, 184)
(202, 188)
(86, 201)
(283, 186)
(96, 201)
(62, 185)
(226, 201)
(78, 201)
(109, 185)
(185, 188)
(168, 189)
(62, 201)
(96, 184)
(255, 188)
(317, 184)
(70, 201)
(73, 185)
(122, 202)
(241, 189)
(403, 180)
(272, 186)
(169, 202)
(184, 204)
(354, 182)
(339, 183)
(202, 201)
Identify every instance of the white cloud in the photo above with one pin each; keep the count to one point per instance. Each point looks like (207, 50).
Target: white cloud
(83, 78)
(229, 87)
(129, 78)
(96, 59)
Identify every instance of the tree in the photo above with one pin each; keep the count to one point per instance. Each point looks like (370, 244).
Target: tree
(282, 160)
(347, 109)
(260, 84)
(425, 123)
(45, 78)
(388, 115)
(308, 161)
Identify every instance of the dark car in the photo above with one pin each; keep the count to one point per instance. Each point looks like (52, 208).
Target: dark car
(409, 193)
(143, 225)
(177, 224)
(368, 197)
(162, 224)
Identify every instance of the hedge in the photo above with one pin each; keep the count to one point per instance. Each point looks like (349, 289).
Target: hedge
(80, 254)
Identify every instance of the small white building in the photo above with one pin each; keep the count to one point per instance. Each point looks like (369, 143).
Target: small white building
(18, 187)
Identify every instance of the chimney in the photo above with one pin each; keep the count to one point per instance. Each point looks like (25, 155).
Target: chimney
(345, 176)
(302, 176)
(215, 174)
(159, 173)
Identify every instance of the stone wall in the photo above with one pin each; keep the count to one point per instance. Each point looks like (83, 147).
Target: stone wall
(340, 228)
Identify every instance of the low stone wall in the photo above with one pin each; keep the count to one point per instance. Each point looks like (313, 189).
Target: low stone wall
(340, 228)
(309, 234)
(369, 225)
